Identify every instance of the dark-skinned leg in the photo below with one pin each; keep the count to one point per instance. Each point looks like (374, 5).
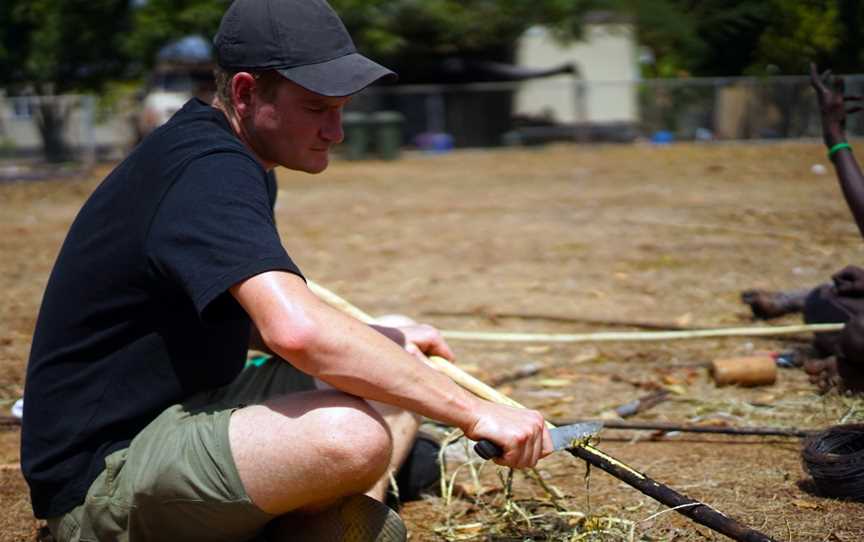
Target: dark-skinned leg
(766, 304)
(850, 364)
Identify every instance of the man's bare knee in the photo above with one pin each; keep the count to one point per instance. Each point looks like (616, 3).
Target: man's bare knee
(361, 443)
(354, 437)
(304, 449)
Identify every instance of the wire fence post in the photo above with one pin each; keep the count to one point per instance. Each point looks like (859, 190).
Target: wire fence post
(88, 129)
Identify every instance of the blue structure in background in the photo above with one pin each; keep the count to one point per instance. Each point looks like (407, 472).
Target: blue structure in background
(662, 137)
(193, 48)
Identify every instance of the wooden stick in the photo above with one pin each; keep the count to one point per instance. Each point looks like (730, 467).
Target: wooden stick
(494, 316)
(523, 371)
(685, 428)
(621, 336)
(699, 512)
(642, 404)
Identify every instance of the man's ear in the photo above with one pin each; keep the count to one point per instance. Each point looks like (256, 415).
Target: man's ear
(243, 93)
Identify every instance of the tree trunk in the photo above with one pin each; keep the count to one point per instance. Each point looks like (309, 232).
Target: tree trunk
(51, 116)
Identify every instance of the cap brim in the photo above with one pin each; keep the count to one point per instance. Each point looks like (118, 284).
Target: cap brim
(341, 76)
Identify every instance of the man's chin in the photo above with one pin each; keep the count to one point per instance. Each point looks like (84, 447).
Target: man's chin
(310, 167)
(318, 168)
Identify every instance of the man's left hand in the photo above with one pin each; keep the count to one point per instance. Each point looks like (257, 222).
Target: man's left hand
(423, 340)
(420, 340)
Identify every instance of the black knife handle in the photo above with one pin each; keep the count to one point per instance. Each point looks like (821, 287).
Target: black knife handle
(488, 449)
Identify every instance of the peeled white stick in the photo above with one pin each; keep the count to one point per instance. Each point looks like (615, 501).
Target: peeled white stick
(621, 336)
(336, 301)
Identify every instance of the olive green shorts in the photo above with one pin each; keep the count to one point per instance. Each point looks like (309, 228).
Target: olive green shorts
(177, 479)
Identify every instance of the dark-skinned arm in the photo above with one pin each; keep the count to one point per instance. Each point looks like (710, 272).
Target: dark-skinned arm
(832, 105)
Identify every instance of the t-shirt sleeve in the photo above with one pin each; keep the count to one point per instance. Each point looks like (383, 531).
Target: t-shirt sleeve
(215, 228)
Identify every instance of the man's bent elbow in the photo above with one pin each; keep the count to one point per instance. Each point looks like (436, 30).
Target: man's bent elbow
(291, 341)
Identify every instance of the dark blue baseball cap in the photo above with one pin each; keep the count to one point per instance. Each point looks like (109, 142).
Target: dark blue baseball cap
(304, 40)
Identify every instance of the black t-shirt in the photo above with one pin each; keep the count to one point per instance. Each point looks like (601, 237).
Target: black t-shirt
(136, 315)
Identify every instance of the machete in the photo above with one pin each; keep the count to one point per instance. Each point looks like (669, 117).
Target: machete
(562, 437)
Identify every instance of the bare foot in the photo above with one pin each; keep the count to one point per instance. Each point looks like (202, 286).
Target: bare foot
(850, 365)
(834, 373)
(766, 304)
(823, 373)
(850, 376)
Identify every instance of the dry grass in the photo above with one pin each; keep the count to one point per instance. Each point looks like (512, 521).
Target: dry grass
(667, 234)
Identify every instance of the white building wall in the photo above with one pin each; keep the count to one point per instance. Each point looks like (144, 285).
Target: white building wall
(606, 58)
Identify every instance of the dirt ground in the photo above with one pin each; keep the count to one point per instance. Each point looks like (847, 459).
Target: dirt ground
(667, 234)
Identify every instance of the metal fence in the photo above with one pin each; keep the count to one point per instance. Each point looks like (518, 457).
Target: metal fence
(439, 117)
(736, 108)
(61, 129)
(564, 108)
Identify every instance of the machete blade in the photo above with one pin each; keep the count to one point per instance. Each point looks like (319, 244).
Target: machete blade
(563, 437)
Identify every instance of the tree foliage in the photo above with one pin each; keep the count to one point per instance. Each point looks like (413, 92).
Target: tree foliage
(749, 37)
(669, 33)
(385, 29)
(849, 55)
(158, 22)
(803, 32)
(49, 47)
(71, 45)
(57, 47)
(423, 28)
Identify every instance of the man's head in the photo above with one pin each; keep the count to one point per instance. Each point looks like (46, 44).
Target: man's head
(286, 68)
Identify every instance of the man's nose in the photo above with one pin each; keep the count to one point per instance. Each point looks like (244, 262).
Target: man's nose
(332, 129)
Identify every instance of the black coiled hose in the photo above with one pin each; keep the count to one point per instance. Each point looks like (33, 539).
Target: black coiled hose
(834, 458)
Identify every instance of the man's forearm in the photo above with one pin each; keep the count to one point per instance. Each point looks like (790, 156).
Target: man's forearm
(352, 357)
(256, 342)
(852, 183)
(832, 133)
(349, 355)
(848, 172)
(391, 333)
(346, 353)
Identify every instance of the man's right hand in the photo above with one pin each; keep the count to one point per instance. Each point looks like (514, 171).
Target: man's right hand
(521, 433)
